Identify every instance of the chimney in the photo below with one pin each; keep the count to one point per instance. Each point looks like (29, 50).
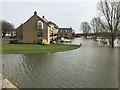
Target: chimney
(35, 13)
(43, 16)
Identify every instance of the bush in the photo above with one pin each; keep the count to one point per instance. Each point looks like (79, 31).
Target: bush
(13, 42)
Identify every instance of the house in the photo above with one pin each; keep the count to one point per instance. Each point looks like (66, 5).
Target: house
(36, 29)
(65, 33)
(30, 31)
(53, 31)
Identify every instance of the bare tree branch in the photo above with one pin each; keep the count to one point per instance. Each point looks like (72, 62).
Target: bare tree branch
(111, 16)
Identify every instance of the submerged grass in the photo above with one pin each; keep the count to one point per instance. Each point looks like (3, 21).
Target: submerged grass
(35, 49)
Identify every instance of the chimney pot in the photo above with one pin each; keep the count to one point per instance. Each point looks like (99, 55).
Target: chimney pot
(35, 13)
(43, 16)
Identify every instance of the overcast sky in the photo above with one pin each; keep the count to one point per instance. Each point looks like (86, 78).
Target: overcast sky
(65, 14)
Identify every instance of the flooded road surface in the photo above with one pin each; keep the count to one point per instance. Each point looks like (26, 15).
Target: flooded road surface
(93, 65)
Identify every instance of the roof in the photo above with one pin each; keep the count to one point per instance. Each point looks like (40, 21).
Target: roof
(35, 14)
(65, 28)
(43, 18)
(50, 22)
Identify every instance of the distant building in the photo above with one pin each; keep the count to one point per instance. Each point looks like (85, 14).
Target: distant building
(66, 33)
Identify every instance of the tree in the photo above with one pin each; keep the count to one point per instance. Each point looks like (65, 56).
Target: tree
(7, 28)
(110, 11)
(96, 26)
(86, 28)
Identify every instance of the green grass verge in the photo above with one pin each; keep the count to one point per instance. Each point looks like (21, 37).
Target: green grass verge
(35, 49)
(3, 40)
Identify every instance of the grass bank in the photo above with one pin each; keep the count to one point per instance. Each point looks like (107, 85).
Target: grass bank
(35, 49)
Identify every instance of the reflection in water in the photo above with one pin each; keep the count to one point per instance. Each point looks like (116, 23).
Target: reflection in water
(91, 66)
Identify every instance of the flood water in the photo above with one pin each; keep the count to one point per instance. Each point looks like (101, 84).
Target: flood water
(93, 65)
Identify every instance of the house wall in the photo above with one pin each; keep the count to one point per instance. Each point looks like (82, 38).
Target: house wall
(46, 34)
(53, 32)
(19, 32)
(30, 32)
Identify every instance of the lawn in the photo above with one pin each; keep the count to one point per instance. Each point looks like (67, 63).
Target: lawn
(35, 48)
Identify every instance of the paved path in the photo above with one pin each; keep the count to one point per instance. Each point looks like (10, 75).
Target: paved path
(4, 83)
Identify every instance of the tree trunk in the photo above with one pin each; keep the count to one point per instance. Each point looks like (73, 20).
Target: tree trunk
(85, 35)
(112, 43)
(11, 34)
(96, 36)
(3, 35)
